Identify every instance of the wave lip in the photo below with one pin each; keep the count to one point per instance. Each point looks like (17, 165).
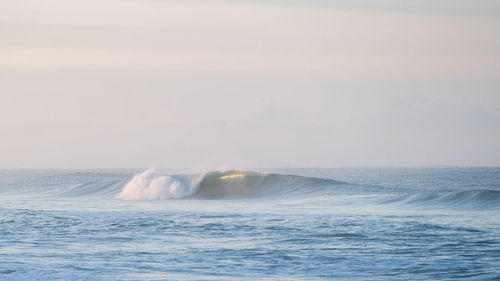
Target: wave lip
(152, 185)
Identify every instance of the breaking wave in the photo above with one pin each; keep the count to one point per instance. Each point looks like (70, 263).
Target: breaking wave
(153, 185)
(234, 184)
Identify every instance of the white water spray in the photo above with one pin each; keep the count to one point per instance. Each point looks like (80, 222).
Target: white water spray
(151, 185)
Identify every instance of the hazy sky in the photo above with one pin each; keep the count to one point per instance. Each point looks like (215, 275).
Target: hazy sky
(318, 83)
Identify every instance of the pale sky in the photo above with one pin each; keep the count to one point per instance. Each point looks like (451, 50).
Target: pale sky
(242, 84)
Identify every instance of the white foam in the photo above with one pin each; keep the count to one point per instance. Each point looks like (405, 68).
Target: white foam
(153, 185)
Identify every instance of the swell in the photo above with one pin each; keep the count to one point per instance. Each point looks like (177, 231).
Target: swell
(234, 184)
(474, 199)
(60, 184)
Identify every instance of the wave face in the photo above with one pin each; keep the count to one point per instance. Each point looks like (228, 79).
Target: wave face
(153, 185)
(237, 185)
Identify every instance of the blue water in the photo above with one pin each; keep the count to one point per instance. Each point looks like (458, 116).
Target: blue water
(292, 224)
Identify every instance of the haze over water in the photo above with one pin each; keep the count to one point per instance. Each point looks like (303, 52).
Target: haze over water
(244, 84)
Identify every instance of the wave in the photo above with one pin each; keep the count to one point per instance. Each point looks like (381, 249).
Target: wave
(235, 184)
(232, 184)
(479, 199)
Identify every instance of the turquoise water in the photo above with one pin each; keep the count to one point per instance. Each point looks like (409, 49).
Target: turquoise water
(292, 224)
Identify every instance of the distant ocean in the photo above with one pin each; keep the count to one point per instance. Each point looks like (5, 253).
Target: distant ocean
(290, 224)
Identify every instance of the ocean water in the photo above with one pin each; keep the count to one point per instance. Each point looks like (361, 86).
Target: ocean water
(290, 224)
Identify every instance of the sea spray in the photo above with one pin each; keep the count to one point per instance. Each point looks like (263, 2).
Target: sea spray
(153, 185)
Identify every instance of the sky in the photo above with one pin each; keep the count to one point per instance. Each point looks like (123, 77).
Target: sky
(249, 84)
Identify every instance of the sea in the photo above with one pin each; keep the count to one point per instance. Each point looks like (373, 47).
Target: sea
(421, 223)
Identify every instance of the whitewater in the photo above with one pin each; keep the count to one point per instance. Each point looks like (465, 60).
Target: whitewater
(439, 223)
